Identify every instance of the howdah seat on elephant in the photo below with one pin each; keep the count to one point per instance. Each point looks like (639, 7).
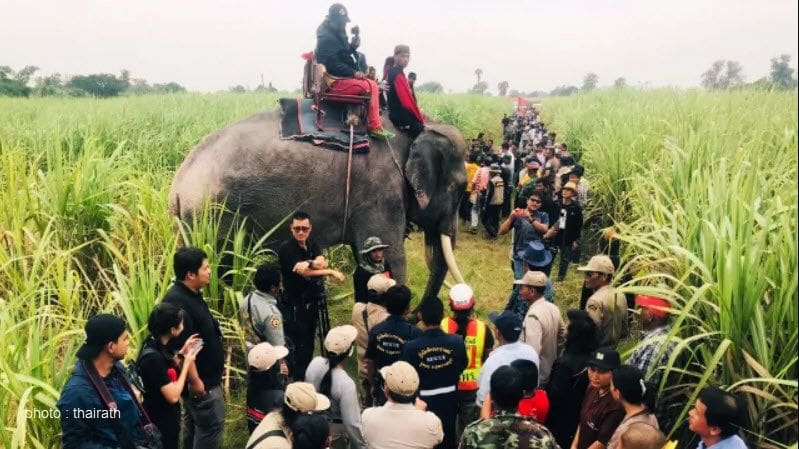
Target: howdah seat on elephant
(316, 86)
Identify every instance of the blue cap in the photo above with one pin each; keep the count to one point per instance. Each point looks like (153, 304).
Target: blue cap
(508, 324)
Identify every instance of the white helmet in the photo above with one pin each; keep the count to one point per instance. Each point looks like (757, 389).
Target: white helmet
(461, 297)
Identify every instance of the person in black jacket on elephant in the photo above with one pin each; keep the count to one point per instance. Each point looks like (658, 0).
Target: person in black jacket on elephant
(341, 59)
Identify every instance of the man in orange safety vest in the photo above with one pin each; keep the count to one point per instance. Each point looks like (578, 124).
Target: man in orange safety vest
(478, 341)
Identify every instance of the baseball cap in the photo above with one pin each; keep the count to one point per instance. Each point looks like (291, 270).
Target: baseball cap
(302, 397)
(100, 330)
(340, 338)
(599, 264)
(263, 355)
(461, 297)
(533, 278)
(380, 283)
(657, 306)
(571, 186)
(401, 378)
(508, 324)
(338, 11)
(605, 359)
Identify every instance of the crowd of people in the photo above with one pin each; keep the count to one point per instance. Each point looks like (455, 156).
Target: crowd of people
(431, 378)
(428, 378)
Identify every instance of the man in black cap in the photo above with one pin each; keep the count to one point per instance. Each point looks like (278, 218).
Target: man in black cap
(600, 414)
(204, 405)
(85, 418)
(439, 358)
(341, 60)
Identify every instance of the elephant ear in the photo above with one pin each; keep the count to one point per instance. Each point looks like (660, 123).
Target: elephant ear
(433, 163)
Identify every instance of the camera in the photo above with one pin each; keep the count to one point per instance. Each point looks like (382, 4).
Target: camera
(356, 30)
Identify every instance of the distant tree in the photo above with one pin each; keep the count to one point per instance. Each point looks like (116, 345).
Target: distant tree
(237, 89)
(24, 75)
(515, 93)
(50, 85)
(620, 83)
(99, 84)
(169, 88)
(502, 87)
(563, 91)
(782, 73)
(6, 72)
(431, 86)
(14, 85)
(722, 75)
(479, 88)
(478, 72)
(537, 94)
(590, 81)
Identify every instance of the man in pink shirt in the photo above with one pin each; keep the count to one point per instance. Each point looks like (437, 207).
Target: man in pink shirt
(479, 188)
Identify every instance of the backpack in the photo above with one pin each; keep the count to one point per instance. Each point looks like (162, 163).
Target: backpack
(134, 368)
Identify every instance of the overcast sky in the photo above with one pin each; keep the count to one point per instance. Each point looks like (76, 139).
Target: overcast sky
(209, 45)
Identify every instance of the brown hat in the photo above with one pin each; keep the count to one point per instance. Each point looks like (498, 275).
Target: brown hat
(302, 397)
(401, 48)
(533, 278)
(263, 355)
(401, 378)
(340, 338)
(380, 283)
(571, 186)
(599, 264)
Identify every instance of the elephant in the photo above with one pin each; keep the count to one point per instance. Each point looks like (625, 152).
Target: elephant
(252, 170)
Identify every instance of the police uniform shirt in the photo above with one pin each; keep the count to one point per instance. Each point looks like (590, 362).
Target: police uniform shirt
(439, 358)
(388, 339)
(261, 315)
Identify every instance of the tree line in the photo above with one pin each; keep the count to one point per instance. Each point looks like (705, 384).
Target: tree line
(22, 84)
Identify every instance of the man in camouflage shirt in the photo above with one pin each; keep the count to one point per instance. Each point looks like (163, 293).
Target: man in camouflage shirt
(506, 429)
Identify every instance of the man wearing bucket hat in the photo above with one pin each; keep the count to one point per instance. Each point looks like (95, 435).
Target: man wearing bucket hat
(265, 383)
(535, 258)
(543, 326)
(403, 421)
(274, 432)
(566, 228)
(494, 199)
(606, 306)
(328, 376)
(364, 318)
(654, 320)
(371, 261)
(600, 414)
(478, 341)
(528, 224)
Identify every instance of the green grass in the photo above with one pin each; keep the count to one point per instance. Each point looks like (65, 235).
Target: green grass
(703, 189)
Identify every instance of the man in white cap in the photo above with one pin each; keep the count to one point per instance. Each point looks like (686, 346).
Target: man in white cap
(543, 326)
(402, 422)
(606, 306)
(565, 229)
(365, 317)
(479, 342)
(274, 432)
(327, 374)
(265, 381)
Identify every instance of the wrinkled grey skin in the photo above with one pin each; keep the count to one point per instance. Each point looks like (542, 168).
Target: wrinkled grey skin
(265, 178)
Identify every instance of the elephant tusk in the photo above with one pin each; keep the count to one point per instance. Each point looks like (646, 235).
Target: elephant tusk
(428, 257)
(449, 257)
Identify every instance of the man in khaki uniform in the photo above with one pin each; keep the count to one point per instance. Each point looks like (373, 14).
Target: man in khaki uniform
(274, 432)
(606, 306)
(365, 317)
(543, 326)
(402, 422)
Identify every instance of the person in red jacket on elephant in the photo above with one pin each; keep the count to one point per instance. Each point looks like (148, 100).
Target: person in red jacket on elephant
(341, 59)
(402, 108)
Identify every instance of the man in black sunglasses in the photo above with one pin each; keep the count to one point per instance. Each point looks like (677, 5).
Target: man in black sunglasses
(303, 268)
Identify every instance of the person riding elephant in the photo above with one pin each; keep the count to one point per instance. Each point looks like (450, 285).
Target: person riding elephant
(341, 59)
(262, 179)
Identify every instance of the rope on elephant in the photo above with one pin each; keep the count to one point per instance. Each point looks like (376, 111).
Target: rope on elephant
(347, 191)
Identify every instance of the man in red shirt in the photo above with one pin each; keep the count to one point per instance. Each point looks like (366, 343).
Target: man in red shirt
(402, 108)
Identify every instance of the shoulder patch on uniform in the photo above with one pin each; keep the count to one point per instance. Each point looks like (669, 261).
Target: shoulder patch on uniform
(275, 322)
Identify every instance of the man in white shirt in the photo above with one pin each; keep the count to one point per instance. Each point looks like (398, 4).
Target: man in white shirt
(508, 327)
